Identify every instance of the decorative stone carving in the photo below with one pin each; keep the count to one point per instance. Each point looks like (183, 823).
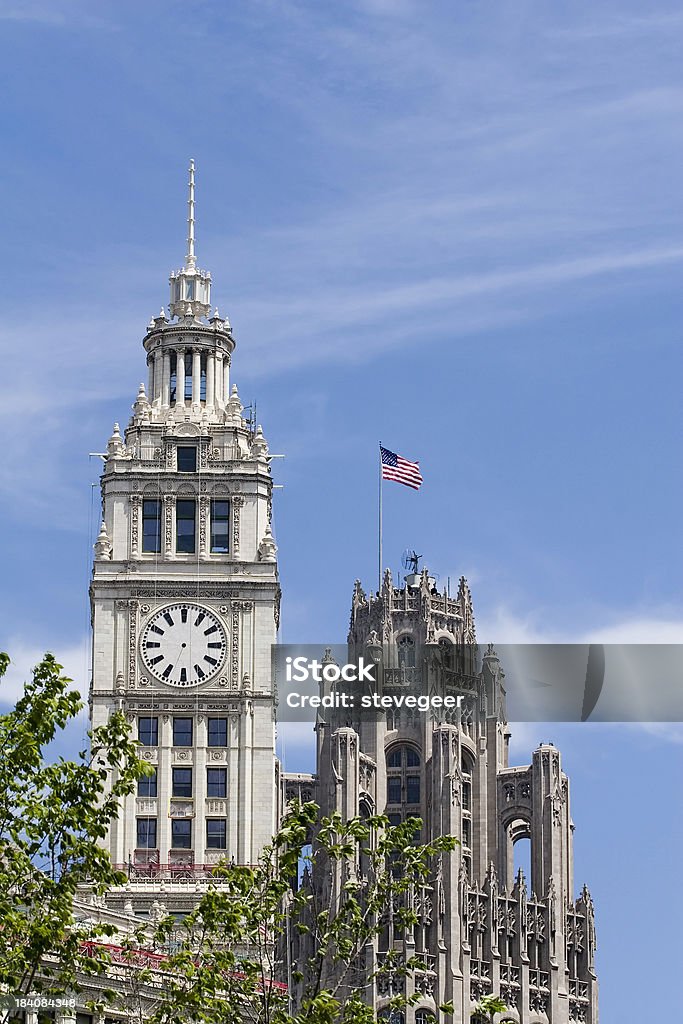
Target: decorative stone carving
(235, 647)
(169, 502)
(267, 549)
(135, 503)
(179, 590)
(237, 503)
(203, 519)
(103, 544)
(259, 446)
(132, 641)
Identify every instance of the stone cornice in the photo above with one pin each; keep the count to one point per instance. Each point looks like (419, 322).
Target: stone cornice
(188, 335)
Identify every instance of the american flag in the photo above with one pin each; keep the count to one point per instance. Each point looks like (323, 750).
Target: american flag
(395, 467)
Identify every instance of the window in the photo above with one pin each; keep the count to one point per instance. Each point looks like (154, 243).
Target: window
(220, 526)
(216, 834)
(148, 731)
(189, 290)
(187, 459)
(188, 375)
(466, 832)
(403, 757)
(202, 377)
(218, 732)
(147, 833)
(404, 785)
(413, 789)
(185, 515)
(182, 782)
(394, 789)
(182, 732)
(181, 834)
(424, 1017)
(216, 781)
(173, 380)
(147, 785)
(151, 525)
(83, 1018)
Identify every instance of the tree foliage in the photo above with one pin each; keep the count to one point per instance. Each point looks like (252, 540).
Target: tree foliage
(226, 962)
(53, 819)
(229, 963)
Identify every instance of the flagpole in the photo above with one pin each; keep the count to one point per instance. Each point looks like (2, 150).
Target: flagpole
(379, 550)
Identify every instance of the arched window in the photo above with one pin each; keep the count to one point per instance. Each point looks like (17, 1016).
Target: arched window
(406, 652)
(391, 1016)
(424, 1017)
(403, 779)
(521, 854)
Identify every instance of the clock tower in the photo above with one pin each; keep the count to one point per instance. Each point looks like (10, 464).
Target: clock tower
(185, 605)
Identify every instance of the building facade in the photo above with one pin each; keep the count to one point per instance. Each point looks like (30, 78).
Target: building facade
(185, 602)
(483, 929)
(185, 605)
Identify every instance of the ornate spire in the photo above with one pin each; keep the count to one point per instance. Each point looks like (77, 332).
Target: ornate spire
(190, 258)
(190, 286)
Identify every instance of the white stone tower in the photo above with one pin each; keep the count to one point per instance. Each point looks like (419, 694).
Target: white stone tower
(185, 605)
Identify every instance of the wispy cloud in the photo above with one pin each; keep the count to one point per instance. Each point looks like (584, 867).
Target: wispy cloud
(54, 13)
(362, 306)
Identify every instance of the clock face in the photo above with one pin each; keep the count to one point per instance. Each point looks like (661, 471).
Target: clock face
(183, 644)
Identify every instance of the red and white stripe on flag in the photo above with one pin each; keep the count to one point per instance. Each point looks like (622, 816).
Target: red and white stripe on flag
(395, 467)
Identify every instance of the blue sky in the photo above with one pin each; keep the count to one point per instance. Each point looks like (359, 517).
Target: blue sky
(455, 227)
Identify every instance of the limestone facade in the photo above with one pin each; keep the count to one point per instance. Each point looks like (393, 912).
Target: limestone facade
(482, 927)
(185, 602)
